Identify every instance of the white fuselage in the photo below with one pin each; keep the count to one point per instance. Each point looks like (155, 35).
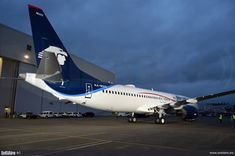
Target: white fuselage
(116, 98)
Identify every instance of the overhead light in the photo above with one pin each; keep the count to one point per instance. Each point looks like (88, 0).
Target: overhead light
(7, 108)
(26, 56)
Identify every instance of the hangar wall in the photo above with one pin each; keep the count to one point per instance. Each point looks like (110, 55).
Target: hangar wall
(17, 95)
(0, 66)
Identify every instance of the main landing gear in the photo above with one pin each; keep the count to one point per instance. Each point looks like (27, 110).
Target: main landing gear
(159, 120)
(132, 118)
(159, 116)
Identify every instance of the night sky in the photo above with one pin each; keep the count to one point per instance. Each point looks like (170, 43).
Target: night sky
(185, 47)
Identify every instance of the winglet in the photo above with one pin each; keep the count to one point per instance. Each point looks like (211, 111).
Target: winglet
(33, 7)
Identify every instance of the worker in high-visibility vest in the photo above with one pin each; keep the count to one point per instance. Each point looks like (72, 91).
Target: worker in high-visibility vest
(220, 118)
(233, 118)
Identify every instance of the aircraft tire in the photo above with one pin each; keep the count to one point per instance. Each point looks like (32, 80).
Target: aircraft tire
(156, 121)
(162, 121)
(134, 120)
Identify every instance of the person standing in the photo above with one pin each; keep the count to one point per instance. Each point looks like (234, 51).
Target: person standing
(233, 118)
(220, 118)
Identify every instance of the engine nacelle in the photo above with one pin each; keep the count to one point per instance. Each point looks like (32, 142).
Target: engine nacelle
(188, 112)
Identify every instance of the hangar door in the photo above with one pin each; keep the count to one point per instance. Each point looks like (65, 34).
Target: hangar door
(8, 71)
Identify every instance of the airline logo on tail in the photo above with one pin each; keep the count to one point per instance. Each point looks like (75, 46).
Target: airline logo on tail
(59, 53)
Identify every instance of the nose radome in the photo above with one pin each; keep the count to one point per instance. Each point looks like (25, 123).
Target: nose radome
(23, 76)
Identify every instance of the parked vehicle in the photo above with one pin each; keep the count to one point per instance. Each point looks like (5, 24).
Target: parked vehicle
(65, 115)
(47, 114)
(78, 114)
(28, 115)
(74, 114)
(120, 114)
(88, 114)
(58, 114)
(71, 115)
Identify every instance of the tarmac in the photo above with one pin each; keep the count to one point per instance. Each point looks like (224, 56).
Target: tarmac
(112, 136)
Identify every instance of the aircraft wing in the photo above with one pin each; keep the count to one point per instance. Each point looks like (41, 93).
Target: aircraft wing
(201, 98)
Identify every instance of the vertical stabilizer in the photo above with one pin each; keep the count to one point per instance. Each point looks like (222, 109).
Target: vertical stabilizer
(47, 41)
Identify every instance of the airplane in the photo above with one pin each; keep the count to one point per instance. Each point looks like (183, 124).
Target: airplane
(58, 75)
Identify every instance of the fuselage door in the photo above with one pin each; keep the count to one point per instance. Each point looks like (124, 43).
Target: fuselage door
(88, 90)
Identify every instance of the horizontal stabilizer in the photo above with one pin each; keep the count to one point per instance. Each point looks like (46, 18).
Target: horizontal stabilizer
(49, 68)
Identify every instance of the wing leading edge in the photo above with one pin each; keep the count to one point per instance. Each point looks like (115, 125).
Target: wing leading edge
(202, 98)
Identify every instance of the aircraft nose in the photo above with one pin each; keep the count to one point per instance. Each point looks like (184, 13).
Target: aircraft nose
(23, 76)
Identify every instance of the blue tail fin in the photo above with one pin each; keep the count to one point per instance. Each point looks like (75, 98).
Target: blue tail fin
(46, 40)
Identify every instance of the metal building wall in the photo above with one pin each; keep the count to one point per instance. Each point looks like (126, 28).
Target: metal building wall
(1, 61)
(13, 45)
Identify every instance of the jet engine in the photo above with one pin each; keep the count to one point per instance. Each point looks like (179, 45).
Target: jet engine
(188, 112)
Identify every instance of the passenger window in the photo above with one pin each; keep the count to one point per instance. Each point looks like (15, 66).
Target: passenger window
(109, 92)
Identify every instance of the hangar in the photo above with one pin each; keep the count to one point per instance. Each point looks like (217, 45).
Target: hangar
(17, 56)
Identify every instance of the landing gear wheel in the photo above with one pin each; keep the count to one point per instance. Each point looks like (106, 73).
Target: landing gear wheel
(156, 121)
(133, 120)
(162, 121)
